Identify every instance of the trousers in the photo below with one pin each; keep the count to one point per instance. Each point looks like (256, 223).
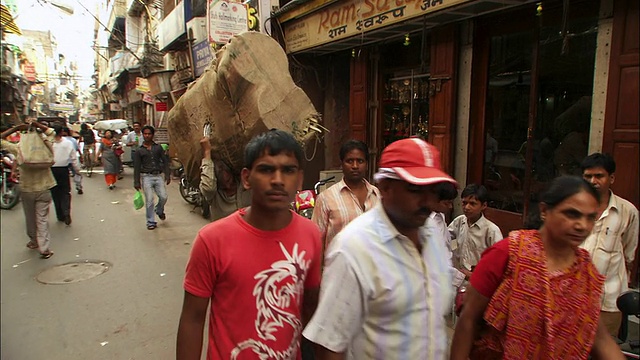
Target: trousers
(61, 193)
(36, 213)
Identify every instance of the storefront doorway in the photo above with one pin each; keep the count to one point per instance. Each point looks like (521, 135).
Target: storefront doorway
(531, 103)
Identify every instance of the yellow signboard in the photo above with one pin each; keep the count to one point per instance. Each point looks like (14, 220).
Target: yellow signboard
(351, 17)
(142, 85)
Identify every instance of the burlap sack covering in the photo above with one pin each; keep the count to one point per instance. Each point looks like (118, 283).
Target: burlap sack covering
(247, 90)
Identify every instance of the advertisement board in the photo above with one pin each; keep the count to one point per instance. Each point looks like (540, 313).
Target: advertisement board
(201, 57)
(225, 19)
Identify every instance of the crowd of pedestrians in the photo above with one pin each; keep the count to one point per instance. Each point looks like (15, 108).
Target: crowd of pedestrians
(373, 275)
(41, 186)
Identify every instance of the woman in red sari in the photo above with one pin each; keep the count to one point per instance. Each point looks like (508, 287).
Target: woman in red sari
(537, 292)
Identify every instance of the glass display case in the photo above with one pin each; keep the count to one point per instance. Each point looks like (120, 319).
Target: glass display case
(405, 106)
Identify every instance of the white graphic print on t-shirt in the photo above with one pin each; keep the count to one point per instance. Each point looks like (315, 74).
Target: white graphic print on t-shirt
(278, 289)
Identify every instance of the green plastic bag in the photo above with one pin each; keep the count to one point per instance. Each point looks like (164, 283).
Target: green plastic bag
(138, 200)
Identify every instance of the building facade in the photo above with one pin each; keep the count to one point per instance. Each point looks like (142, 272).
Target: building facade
(513, 93)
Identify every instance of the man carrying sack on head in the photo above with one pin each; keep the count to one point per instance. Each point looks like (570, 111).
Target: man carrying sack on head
(35, 157)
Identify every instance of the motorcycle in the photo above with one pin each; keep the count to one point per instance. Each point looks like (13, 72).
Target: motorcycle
(191, 194)
(9, 184)
(629, 305)
(305, 200)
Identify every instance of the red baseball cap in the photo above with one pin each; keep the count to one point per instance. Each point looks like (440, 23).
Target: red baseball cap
(415, 161)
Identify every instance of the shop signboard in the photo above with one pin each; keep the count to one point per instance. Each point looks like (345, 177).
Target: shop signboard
(61, 107)
(201, 57)
(142, 85)
(37, 89)
(29, 71)
(225, 19)
(161, 106)
(146, 97)
(347, 18)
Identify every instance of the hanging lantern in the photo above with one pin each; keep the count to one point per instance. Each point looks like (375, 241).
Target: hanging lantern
(353, 53)
(539, 9)
(407, 41)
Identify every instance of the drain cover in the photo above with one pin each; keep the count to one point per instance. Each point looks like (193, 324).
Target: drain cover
(73, 272)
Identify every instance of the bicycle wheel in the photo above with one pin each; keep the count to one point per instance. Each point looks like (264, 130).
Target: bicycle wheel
(88, 163)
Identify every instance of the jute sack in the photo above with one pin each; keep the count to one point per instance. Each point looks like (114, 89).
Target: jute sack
(247, 90)
(34, 152)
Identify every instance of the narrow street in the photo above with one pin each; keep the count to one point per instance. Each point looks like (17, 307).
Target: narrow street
(129, 312)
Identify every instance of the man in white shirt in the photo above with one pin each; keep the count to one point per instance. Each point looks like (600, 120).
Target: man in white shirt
(472, 233)
(386, 286)
(134, 138)
(614, 238)
(64, 154)
(77, 178)
(447, 192)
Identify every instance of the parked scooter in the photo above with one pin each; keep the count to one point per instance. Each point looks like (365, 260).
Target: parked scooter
(305, 200)
(9, 185)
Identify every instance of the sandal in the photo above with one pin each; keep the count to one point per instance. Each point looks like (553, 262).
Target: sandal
(32, 245)
(46, 255)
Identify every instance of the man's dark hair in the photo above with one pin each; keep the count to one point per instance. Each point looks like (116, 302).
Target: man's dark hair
(445, 190)
(136, 122)
(478, 191)
(84, 127)
(57, 129)
(275, 142)
(354, 145)
(66, 130)
(148, 127)
(596, 160)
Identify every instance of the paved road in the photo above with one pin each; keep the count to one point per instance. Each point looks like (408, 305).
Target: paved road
(129, 312)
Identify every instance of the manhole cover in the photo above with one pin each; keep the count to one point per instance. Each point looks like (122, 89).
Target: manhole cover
(73, 272)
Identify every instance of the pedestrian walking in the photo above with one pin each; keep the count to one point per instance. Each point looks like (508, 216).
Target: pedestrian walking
(537, 291)
(386, 287)
(351, 197)
(222, 190)
(77, 177)
(614, 239)
(150, 173)
(64, 155)
(36, 197)
(259, 268)
(110, 161)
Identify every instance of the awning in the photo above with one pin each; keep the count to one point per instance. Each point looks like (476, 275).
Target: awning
(6, 20)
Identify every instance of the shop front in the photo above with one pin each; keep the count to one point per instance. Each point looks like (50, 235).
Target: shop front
(514, 95)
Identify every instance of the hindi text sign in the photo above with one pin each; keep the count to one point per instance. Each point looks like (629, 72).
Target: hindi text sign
(347, 18)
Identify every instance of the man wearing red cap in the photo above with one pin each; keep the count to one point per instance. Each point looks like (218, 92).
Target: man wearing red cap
(386, 285)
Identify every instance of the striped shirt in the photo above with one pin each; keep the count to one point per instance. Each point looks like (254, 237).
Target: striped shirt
(612, 242)
(380, 298)
(337, 206)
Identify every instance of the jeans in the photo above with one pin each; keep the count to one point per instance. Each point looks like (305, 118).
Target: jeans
(153, 184)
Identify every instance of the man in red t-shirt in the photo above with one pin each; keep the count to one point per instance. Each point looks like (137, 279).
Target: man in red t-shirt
(260, 266)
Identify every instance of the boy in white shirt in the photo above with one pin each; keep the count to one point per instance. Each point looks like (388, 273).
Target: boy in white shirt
(472, 233)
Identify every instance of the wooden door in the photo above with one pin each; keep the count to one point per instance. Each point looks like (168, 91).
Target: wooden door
(358, 97)
(442, 106)
(622, 119)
